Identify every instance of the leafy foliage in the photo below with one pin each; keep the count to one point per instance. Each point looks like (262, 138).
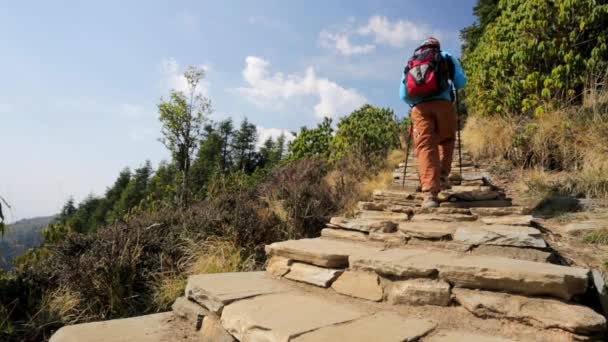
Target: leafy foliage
(310, 143)
(370, 132)
(527, 54)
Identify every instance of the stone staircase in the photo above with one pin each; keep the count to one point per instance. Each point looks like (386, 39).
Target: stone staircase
(474, 269)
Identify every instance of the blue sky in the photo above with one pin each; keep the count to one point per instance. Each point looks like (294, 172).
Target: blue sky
(80, 80)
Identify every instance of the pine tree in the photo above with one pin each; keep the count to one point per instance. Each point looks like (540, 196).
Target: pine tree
(208, 160)
(312, 142)
(226, 133)
(136, 190)
(243, 147)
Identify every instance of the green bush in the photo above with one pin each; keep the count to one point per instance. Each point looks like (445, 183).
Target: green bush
(535, 53)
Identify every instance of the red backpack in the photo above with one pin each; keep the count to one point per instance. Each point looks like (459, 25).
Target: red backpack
(427, 73)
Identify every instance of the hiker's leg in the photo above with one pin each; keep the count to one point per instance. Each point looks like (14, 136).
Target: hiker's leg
(426, 140)
(446, 127)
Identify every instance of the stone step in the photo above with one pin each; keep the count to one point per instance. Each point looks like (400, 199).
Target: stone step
(502, 235)
(479, 272)
(376, 222)
(482, 193)
(499, 211)
(546, 313)
(321, 252)
(498, 203)
(461, 270)
(514, 220)
(306, 314)
(150, 328)
(462, 336)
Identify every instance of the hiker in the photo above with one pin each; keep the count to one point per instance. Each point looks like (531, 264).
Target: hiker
(427, 86)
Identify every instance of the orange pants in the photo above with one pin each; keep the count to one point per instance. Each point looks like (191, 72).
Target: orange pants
(435, 136)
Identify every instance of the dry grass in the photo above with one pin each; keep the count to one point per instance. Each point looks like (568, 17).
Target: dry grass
(599, 237)
(219, 256)
(168, 289)
(562, 151)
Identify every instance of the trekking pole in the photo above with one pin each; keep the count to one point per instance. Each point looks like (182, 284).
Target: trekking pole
(459, 141)
(407, 150)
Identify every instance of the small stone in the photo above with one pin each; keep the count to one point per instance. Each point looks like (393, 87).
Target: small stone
(278, 266)
(313, 275)
(396, 238)
(189, 310)
(546, 313)
(428, 230)
(360, 285)
(513, 220)
(420, 292)
(444, 218)
(343, 234)
(381, 327)
(371, 206)
(213, 331)
(364, 224)
(499, 211)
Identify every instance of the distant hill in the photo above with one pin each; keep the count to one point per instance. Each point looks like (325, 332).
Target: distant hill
(20, 236)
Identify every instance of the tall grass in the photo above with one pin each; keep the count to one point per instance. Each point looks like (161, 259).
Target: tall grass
(565, 147)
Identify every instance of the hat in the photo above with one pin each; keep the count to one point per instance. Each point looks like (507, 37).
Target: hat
(431, 41)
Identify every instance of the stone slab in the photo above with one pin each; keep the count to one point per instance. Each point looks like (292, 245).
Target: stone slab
(394, 216)
(444, 218)
(363, 285)
(314, 275)
(513, 220)
(372, 206)
(475, 188)
(546, 313)
(519, 253)
(498, 203)
(321, 252)
(396, 238)
(475, 195)
(278, 266)
(381, 327)
(212, 331)
(499, 211)
(442, 211)
(214, 291)
(464, 336)
(149, 328)
(600, 290)
(420, 292)
(281, 317)
(428, 230)
(502, 235)
(365, 224)
(478, 272)
(190, 311)
(343, 234)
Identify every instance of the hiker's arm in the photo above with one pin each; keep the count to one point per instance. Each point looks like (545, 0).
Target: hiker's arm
(403, 90)
(459, 77)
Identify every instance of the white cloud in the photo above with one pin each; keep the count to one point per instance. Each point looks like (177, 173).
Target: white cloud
(267, 90)
(341, 43)
(265, 133)
(173, 77)
(378, 28)
(397, 33)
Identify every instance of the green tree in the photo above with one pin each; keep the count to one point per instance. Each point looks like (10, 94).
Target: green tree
(369, 132)
(163, 186)
(536, 54)
(243, 147)
(2, 225)
(226, 133)
(182, 118)
(312, 142)
(486, 12)
(209, 159)
(104, 213)
(135, 191)
(267, 153)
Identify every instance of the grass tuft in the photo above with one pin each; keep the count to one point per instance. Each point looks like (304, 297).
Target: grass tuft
(599, 237)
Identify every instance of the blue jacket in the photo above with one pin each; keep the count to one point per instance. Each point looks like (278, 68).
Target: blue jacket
(459, 81)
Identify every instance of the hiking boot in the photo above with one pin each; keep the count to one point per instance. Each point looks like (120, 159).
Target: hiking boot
(444, 183)
(430, 201)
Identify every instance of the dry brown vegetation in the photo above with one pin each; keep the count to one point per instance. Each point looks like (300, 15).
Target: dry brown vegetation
(562, 151)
